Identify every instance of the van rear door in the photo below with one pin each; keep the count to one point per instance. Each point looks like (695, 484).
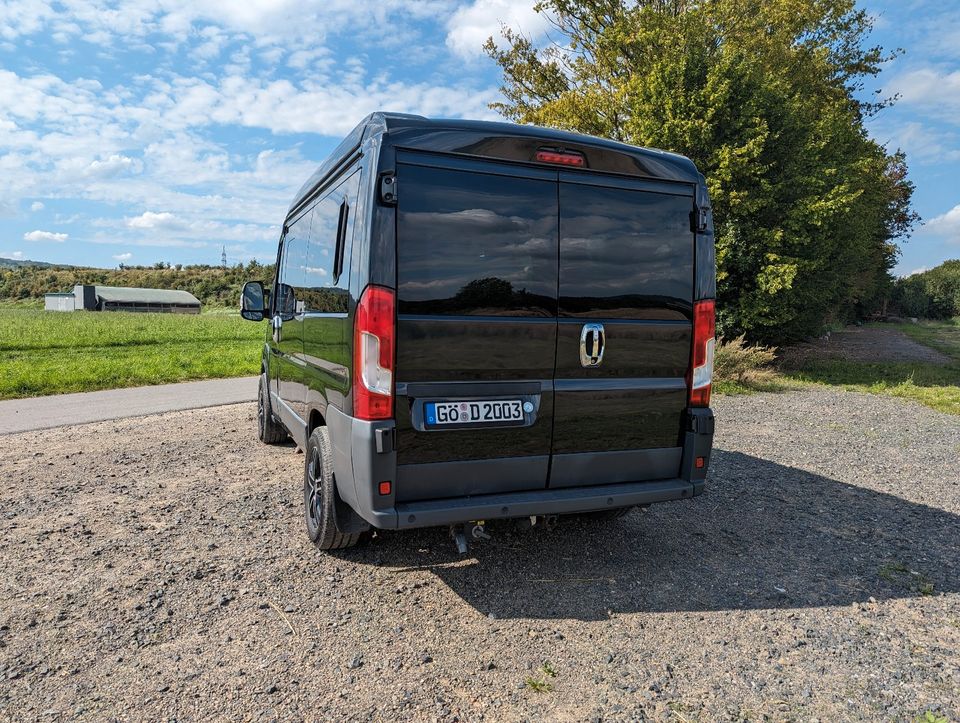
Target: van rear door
(477, 264)
(623, 347)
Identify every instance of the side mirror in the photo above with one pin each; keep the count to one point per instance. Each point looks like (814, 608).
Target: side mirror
(252, 301)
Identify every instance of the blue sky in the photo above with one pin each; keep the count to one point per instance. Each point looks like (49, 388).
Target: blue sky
(160, 130)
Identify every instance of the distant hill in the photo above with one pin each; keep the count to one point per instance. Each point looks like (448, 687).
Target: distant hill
(17, 263)
(213, 285)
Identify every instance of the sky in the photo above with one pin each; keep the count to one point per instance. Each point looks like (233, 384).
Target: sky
(137, 131)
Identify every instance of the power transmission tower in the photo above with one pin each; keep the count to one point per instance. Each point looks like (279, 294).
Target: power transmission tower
(223, 258)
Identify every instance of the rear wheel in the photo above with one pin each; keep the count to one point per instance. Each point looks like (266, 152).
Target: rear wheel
(318, 492)
(269, 429)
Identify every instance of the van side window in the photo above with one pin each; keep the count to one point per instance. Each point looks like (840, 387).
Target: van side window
(327, 271)
(292, 277)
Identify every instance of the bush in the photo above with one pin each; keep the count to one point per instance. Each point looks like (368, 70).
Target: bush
(741, 364)
(933, 294)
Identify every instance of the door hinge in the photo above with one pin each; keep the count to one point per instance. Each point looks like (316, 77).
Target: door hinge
(388, 189)
(699, 219)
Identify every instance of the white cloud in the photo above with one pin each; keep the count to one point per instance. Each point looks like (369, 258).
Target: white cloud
(150, 219)
(293, 23)
(36, 206)
(123, 257)
(148, 141)
(918, 271)
(922, 143)
(946, 224)
(45, 236)
(469, 27)
(936, 89)
(113, 166)
(15, 255)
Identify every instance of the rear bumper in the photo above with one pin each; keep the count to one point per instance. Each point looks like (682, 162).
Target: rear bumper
(432, 513)
(364, 455)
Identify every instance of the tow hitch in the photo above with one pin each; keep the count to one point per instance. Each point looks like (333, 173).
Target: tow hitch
(459, 535)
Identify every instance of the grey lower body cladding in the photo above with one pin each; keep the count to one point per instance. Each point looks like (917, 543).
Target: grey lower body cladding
(364, 456)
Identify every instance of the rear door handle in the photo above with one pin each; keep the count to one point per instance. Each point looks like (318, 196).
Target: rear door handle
(592, 345)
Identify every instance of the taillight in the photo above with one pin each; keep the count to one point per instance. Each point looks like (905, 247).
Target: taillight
(701, 361)
(373, 347)
(563, 158)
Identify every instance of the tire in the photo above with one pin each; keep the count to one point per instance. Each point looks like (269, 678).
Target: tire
(318, 495)
(269, 429)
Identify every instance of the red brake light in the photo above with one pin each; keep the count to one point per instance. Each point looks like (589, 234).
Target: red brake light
(564, 159)
(373, 349)
(700, 376)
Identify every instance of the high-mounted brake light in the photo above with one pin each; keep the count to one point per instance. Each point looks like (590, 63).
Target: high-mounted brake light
(373, 347)
(563, 159)
(700, 376)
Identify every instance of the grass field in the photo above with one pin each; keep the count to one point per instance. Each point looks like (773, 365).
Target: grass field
(52, 353)
(935, 385)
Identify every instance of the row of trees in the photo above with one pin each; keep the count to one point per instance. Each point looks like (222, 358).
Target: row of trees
(933, 294)
(764, 95)
(213, 285)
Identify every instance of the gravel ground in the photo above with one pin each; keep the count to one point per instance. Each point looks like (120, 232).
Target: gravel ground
(156, 568)
(863, 344)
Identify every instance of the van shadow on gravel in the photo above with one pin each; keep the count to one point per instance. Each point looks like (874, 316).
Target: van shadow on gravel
(763, 536)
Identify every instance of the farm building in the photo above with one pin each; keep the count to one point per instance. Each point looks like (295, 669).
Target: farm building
(121, 298)
(58, 302)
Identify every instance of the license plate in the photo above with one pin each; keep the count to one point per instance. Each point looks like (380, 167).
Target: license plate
(477, 412)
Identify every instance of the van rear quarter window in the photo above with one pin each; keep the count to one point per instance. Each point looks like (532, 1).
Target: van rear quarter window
(476, 244)
(325, 292)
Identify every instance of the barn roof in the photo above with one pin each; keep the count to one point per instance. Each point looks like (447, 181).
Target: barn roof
(125, 294)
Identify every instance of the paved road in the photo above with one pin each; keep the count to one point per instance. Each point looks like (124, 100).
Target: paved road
(22, 415)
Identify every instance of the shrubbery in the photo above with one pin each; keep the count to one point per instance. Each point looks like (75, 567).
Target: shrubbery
(742, 364)
(213, 285)
(933, 294)
(764, 97)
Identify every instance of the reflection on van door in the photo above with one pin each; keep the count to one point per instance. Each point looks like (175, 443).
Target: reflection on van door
(476, 320)
(626, 295)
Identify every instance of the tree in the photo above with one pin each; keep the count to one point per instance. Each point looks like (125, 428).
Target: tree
(762, 95)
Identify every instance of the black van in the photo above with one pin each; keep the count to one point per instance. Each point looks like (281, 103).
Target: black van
(473, 321)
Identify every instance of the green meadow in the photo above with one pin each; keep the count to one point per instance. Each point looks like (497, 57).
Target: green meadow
(53, 353)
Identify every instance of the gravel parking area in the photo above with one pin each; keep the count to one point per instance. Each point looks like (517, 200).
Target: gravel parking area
(156, 568)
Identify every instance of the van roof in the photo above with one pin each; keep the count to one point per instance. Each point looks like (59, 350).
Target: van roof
(502, 141)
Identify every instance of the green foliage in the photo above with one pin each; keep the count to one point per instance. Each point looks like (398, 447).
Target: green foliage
(761, 95)
(898, 574)
(933, 294)
(542, 685)
(213, 285)
(931, 717)
(52, 353)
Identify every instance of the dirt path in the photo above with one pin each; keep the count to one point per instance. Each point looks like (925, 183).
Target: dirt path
(156, 568)
(864, 344)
